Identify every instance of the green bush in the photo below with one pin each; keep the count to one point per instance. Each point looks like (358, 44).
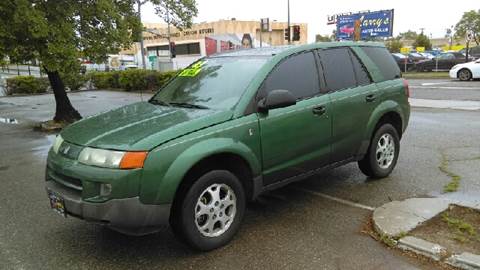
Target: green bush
(131, 80)
(74, 81)
(26, 85)
(104, 80)
(134, 79)
(165, 77)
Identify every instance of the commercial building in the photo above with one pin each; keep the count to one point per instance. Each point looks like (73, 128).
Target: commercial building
(207, 38)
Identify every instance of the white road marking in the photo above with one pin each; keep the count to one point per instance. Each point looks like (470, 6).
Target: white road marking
(468, 105)
(335, 199)
(446, 87)
(434, 83)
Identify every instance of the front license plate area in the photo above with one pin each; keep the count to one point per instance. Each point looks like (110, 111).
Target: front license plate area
(57, 203)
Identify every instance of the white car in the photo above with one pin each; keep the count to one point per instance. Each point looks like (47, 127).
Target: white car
(466, 71)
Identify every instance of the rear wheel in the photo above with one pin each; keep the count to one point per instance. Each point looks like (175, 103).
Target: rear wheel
(382, 154)
(464, 75)
(210, 213)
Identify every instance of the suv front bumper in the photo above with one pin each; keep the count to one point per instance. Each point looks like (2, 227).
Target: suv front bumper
(128, 216)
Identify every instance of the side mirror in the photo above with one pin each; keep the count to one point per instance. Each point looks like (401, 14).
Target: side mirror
(276, 99)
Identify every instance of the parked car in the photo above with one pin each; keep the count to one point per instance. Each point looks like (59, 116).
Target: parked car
(128, 66)
(416, 56)
(427, 55)
(466, 71)
(443, 61)
(474, 52)
(401, 60)
(434, 52)
(226, 129)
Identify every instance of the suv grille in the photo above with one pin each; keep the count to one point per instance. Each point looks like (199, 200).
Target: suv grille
(62, 179)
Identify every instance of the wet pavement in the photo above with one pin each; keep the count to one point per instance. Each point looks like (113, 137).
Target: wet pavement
(286, 229)
(445, 89)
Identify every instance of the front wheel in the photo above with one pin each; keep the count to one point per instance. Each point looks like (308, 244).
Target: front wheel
(211, 211)
(464, 75)
(382, 153)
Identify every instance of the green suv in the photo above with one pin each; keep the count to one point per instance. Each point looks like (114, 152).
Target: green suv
(226, 129)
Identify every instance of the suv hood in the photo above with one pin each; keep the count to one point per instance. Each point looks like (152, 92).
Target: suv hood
(140, 126)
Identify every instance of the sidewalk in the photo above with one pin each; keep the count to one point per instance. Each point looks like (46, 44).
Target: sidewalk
(396, 221)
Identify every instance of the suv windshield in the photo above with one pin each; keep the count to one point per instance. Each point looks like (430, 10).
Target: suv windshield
(216, 83)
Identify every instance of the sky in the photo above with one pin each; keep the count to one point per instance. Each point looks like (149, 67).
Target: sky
(433, 16)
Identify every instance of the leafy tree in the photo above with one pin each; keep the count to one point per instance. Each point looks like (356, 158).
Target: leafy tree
(422, 41)
(177, 12)
(333, 36)
(469, 21)
(59, 33)
(320, 38)
(394, 45)
(409, 35)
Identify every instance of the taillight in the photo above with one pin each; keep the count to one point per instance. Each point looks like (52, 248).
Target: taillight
(407, 89)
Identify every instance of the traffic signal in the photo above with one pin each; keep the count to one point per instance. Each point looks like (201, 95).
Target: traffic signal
(287, 33)
(173, 51)
(296, 33)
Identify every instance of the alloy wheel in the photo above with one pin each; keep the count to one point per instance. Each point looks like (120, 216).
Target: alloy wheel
(385, 152)
(215, 210)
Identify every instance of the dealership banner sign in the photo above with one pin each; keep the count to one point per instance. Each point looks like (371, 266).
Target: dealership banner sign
(365, 25)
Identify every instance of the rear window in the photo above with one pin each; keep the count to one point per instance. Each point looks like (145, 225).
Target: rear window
(384, 61)
(337, 68)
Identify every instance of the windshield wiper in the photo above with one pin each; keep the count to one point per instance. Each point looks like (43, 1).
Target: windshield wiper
(188, 105)
(159, 102)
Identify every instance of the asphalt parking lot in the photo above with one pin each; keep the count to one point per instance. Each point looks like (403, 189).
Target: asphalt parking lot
(313, 224)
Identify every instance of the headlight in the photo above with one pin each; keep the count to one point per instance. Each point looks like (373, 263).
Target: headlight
(57, 143)
(112, 159)
(455, 67)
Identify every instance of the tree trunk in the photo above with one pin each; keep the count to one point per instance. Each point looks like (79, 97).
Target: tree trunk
(64, 109)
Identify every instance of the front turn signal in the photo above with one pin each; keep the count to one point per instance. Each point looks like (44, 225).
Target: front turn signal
(133, 160)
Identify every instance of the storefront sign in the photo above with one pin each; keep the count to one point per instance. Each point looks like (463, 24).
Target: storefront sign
(372, 24)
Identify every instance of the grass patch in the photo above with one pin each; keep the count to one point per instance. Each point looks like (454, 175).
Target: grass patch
(426, 75)
(457, 229)
(454, 183)
(462, 230)
(387, 240)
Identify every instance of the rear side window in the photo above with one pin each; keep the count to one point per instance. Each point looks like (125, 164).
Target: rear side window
(297, 74)
(384, 61)
(362, 75)
(337, 68)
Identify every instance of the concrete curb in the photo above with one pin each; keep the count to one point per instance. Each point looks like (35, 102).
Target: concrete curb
(465, 260)
(395, 219)
(423, 247)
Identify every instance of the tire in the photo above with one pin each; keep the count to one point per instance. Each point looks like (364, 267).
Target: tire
(464, 75)
(225, 216)
(370, 164)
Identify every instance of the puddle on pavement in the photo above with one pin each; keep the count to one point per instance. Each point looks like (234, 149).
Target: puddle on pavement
(43, 149)
(8, 120)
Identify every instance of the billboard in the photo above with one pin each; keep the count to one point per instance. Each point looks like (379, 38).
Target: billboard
(370, 25)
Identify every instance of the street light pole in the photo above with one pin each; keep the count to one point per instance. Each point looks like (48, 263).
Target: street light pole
(288, 22)
(142, 56)
(168, 36)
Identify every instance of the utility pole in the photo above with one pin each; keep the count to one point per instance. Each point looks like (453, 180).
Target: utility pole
(142, 55)
(168, 35)
(288, 23)
(261, 30)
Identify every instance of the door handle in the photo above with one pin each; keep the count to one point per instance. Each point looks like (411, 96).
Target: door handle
(370, 98)
(319, 110)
